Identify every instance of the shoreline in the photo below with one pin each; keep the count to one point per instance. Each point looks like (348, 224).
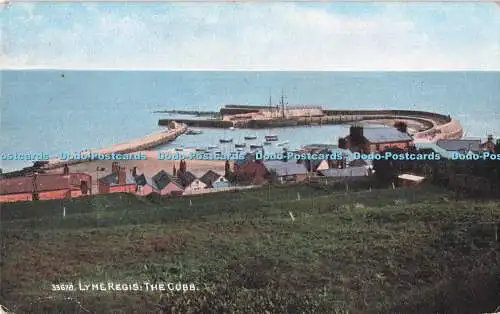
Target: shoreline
(137, 145)
(149, 166)
(420, 128)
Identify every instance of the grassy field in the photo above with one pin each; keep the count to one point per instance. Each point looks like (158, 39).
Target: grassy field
(384, 251)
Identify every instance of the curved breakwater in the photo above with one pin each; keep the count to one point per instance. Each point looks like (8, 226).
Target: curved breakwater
(432, 126)
(143, 143)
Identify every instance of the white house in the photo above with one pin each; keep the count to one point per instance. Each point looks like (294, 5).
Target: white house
(190, 182)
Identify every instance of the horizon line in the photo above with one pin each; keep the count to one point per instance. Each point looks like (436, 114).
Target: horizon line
(248, 70)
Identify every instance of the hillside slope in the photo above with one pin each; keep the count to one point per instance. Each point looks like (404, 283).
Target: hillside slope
(385, 251)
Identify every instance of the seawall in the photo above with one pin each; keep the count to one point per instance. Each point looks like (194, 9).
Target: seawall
(135, 145)
(433, 125)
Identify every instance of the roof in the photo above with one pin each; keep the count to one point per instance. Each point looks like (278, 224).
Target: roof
(459, 145)
(209, 177)
(285, 168)
(111, 179)
(185, 179)
(143, 180)
(248, 156)
(385, 135)
(313, 164)
(162, 179)
(345, 172)
(358, 163)
(44, 182)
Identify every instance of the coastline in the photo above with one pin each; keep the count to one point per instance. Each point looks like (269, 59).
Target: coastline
(421, 128)
(132, 146)
(149, 166)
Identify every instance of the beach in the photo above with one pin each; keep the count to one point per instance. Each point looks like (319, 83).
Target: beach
(149, 166)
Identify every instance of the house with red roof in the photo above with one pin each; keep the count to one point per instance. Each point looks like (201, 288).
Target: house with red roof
(45, 187)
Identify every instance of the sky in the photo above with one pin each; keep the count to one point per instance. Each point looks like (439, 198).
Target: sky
(251, 36)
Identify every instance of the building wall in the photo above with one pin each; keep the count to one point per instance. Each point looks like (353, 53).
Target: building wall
(103, 188)
(221, 184)
(292, 178)
(78, 193)
(128, 188)
(251, 172)
(54, 195)
(171, 188)
(145, 190)
(195, 185)
(381, 146)
(15, 197)
(47, 195)
(323, 165)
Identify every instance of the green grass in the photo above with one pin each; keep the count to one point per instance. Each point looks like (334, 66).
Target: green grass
(385, 251)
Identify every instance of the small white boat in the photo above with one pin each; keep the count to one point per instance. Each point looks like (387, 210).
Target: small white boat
(231, 128)
(239, 149)
(213, 147)
(193, 132)
(250, 137)
(199, 149)
(282, 143)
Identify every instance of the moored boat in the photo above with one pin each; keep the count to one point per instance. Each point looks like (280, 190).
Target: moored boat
(226, 140)
(240, 145)
(199, 149)
(282, 143)
(267, 143)
(255, 146)
(250, 137)
(271, 137)
(179, 149)
(193, 132)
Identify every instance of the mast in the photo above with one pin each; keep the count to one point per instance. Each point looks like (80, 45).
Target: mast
(282, 103)
(271, 107)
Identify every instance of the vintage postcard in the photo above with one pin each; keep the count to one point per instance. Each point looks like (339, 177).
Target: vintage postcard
(249, 157)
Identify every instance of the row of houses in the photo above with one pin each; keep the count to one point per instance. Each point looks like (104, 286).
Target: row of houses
(44, 186)
(32, 185)
(256, 172)
(162, 183)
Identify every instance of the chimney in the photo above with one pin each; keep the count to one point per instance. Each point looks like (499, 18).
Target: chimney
(114, 167)
(356, 133)
(122, 175)
(66, 170)
(342, 143)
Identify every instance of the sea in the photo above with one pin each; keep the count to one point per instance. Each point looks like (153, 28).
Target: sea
(54, 111)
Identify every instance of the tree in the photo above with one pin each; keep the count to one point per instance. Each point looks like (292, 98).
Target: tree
(227, 169)
(342, 143)
(385, 170)
(182, 167)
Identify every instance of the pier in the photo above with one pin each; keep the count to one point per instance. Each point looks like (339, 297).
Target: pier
(139, 144)
(430, 125)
